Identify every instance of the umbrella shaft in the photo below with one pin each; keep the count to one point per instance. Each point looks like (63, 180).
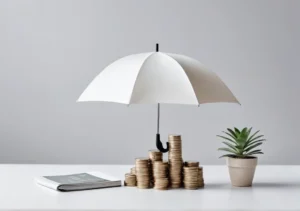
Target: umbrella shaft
(158, 106)
(158, 117)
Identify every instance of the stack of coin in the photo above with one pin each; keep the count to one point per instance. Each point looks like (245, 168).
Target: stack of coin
(191, 177)
(191, 163)
(142, 170)
(130, 180)
(160, 175)
(154, 155)
(161, 184)
(200, 178)
(132, 170)
(175, 161)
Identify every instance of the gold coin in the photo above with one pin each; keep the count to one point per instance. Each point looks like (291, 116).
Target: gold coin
(155, 155)
(191, 163)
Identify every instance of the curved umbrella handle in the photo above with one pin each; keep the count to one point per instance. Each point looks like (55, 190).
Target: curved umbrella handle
(159, 145)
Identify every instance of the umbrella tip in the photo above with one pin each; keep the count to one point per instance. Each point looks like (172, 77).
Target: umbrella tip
(157, 47)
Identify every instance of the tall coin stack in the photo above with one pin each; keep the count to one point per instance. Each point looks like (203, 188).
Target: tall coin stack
(154, 155)
(175, 161)
(200, 177)
(160, 175)
(191, 177)
(142, 170)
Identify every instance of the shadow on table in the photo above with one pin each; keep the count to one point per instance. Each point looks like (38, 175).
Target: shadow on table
(217, 186)
(256, 185)
(267, 185)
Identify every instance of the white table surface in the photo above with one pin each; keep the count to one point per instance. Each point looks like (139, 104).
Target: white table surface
(274, 188)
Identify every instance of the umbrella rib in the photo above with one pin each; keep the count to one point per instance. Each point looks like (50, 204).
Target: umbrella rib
(186, 76)
(138, 75)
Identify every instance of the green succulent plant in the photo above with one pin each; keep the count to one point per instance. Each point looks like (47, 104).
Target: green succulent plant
(241, 143)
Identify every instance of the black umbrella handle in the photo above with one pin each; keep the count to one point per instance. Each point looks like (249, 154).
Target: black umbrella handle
(160, 146)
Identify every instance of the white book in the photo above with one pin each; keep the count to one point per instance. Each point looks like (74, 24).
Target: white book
(81, 181)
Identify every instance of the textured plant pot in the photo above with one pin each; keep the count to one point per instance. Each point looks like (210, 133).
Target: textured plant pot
(241, 171)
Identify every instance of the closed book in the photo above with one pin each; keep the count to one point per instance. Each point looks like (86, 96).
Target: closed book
(81, 181)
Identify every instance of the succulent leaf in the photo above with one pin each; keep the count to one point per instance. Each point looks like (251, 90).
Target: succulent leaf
(252, 147)
(253, 135)
(227, 155)
(254, 152)
(237, 130)
(229, 134)
(249, 131)
(227, 150)
(254, 142)
(230, 146)
(255, 138)
(224, 137)
(232, 132)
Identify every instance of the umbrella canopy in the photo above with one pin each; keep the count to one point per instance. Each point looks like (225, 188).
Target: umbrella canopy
(157, 77)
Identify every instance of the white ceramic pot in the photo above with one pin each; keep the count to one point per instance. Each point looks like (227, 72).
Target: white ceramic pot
(241, 171)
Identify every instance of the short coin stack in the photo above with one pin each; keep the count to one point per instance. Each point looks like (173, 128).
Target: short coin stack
(160, 175)
(195, 164)
(154, 155)
(130, 180)
(191, 177)
(142, 170)
(175, 161)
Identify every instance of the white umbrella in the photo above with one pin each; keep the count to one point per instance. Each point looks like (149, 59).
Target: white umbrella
(157, 77)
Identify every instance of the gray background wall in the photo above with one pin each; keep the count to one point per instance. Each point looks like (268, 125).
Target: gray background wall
(51, 50)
